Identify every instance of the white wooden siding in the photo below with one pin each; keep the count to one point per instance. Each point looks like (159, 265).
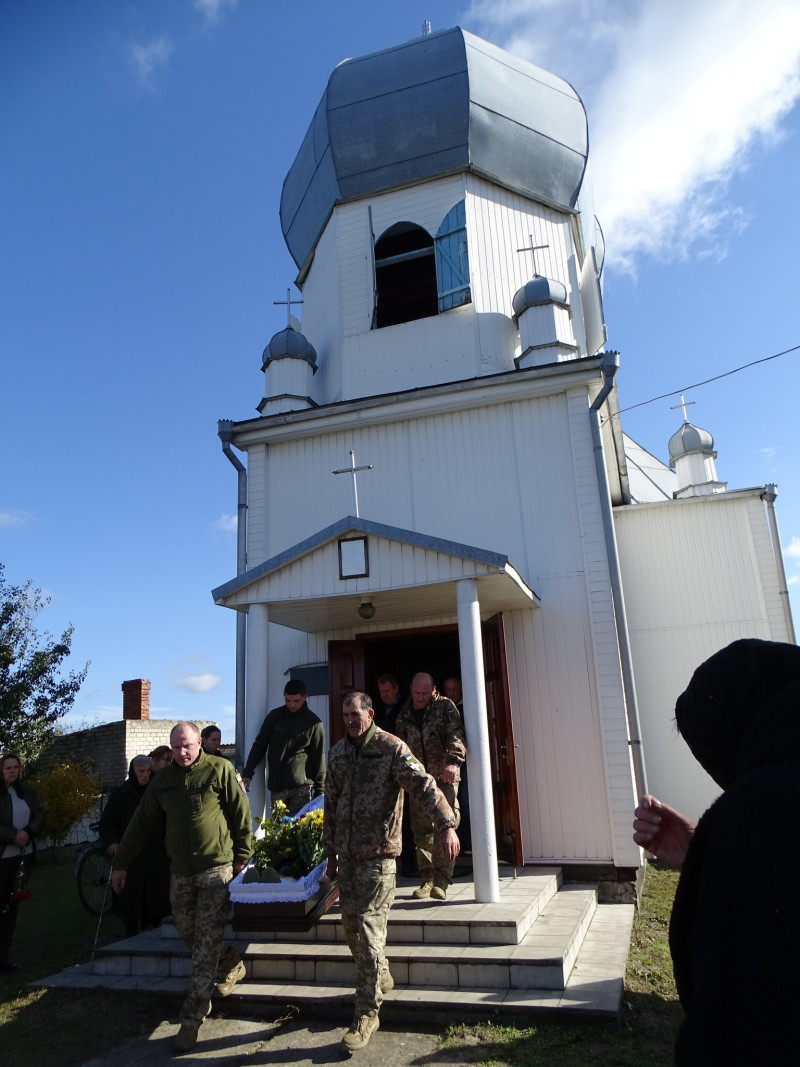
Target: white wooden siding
(621, 793)
(698, 574)
(515, 478)
(500, 222)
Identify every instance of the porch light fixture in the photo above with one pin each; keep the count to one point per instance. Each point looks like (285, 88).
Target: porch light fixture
(366, 609)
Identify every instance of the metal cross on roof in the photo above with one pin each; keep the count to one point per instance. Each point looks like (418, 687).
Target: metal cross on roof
(288, 301)
(684, 404)
(533, 249)
(352, 471)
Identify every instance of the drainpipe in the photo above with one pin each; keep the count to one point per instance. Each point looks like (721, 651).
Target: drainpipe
(225, 434)
(609, 367)
(769, 497)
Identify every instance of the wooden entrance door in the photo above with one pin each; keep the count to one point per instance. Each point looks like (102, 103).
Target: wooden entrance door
(349, 666)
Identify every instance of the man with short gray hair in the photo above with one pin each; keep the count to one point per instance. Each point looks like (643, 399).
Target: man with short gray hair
(209, 839)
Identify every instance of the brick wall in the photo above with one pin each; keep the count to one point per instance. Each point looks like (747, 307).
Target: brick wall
(111, 747)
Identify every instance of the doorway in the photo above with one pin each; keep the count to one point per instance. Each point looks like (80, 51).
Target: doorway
(357, 664)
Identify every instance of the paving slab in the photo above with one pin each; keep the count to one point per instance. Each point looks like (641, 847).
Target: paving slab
(252, 1043)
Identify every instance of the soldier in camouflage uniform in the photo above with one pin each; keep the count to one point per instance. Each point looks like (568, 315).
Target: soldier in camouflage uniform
(292, 739)
(432, 728)
(209, 840)
(367, 773)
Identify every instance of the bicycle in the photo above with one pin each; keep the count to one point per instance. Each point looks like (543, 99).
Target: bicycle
(92, 872)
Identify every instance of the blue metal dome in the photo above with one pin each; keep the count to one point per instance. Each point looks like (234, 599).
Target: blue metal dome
(538, 291)
(439, 104)
(290, 344)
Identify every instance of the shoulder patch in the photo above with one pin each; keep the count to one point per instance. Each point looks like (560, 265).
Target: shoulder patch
(412, 762)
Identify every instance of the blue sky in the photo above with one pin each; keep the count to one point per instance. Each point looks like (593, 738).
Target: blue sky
(144, 145)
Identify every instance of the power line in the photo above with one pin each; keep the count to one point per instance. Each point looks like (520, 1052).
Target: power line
(716, 378)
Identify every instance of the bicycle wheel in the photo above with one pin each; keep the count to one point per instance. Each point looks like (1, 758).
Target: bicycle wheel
(94, 869)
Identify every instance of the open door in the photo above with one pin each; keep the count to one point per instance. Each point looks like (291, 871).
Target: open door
(346, 669)
(501, 743)
(350, 664)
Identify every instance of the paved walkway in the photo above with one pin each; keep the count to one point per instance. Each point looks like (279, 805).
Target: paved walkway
(291, 1041)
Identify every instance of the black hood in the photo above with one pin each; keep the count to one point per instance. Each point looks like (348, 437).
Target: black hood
(741, 709)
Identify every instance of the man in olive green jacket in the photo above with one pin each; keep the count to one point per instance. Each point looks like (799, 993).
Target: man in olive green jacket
(209, 840)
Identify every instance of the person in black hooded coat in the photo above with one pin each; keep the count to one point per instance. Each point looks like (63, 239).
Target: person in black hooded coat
(735, 927)
(145, 899)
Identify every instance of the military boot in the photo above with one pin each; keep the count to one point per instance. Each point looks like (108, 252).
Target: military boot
(359, 1033)
(423, 891)
(186, 1037)
(387, 982)
(226, 986)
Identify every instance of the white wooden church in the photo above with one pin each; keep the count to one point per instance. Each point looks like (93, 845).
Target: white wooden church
(497, 521)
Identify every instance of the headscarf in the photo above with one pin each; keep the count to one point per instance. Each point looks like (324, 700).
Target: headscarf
(742, 708)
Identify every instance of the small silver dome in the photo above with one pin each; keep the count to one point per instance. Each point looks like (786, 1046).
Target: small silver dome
(289, 344)
(689, 439)
(537, 291)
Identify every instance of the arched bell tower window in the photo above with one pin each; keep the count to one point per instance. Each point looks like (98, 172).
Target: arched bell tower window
(417, 275)
(405, 275)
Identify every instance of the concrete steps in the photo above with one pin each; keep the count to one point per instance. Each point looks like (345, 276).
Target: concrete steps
(543, 948)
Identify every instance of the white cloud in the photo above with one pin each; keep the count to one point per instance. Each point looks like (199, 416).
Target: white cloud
(679, 97)
(792, 550)
(12, 518)
(148, 59)
(199, 683)
(212, 9)
(226, 523)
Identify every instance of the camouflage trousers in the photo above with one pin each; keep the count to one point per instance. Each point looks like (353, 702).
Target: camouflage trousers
(294, 799)
(366, 894)
(200, 908)
(433, 865)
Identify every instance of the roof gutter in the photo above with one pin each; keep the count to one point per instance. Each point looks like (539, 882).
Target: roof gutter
(225, 432)
(769, 496)
(609, 368)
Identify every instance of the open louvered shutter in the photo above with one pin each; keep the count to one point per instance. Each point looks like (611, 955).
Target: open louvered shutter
(452, 260)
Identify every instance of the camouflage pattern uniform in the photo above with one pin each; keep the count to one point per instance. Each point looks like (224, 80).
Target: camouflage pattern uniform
(294, 799)
(363, 828)
(208, 829)
(200, 908)
(437, 739)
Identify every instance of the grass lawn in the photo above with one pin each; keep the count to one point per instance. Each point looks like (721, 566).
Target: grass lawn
(58, 1028)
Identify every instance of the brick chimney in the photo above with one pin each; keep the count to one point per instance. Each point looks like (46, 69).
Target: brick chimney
(136, 699)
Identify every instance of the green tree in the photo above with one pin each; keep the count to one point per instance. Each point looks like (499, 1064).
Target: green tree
(34, 691)
(67, 792)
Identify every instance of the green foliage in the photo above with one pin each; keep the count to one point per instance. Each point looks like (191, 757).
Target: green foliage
(34, 694)
(67, 792)
(290, 846)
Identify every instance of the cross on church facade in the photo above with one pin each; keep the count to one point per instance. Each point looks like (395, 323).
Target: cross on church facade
(684, 404)
(351, 470)
(288, 302)
(533, 249)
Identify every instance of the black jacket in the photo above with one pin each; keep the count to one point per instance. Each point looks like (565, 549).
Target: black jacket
(735, 929)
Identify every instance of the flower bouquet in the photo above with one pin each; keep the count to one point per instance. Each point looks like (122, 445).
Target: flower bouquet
(286, 875)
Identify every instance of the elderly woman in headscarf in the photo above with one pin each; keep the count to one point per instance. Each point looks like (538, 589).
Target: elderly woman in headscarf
(145, 900)
(735, 928)
(21, 822)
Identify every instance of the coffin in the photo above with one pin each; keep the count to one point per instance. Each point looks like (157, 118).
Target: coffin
(291, 904)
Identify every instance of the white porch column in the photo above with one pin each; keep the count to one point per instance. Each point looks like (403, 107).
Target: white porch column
(481, 808)
(256, 699)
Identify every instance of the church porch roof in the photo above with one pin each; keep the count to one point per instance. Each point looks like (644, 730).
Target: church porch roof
(412, 575)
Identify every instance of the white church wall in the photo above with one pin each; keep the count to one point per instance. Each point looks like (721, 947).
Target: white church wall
(698, 573)
(256, 504)
(321, 313)
(514, 478)
(498, 224)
